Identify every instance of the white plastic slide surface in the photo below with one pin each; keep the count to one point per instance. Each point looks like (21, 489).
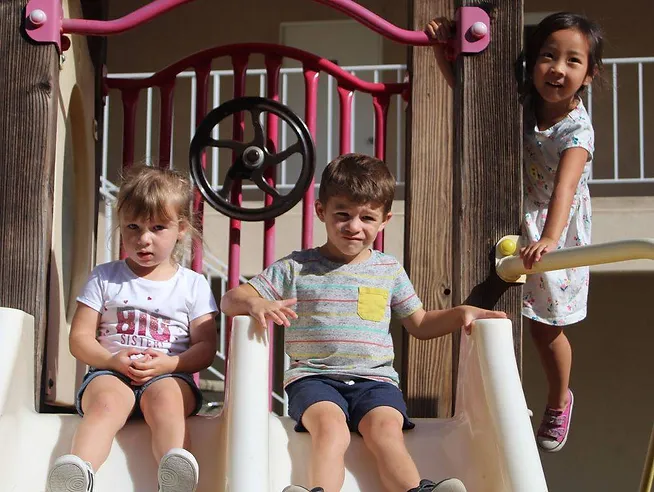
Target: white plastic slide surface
(489, 443)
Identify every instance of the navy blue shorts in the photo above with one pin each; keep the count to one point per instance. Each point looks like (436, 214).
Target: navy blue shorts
(355, 397)
(138, 390)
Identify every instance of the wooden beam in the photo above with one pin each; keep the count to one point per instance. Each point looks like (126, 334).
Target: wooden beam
(488, 163)
(28, 109)
(458, 207)
(427, 365)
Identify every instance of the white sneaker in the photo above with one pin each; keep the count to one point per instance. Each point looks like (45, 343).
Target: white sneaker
(450, 485)
(70, 473)
(178, 471)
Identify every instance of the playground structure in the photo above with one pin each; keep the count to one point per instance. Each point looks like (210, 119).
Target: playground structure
(488, 442)
(16, 410)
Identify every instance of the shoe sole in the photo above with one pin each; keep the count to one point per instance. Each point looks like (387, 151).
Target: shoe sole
(177, 474)
(68, 477)
(565, 438)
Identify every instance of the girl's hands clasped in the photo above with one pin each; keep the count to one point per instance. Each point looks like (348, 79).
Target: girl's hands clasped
(152, 364)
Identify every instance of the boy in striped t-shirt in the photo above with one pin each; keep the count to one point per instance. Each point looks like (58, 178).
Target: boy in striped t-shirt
(341, 377)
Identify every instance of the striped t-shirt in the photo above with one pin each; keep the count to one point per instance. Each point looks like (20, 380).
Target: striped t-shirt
(344, 312)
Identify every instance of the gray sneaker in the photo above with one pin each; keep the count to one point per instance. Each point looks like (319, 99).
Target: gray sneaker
(178, 471)
(70, 473)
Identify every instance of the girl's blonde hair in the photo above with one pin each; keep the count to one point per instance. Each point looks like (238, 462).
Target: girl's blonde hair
(156, 194)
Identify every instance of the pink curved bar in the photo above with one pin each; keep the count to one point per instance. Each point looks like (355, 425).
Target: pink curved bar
(134, 19)
(311, 61)
(377, 24)
(158, 7)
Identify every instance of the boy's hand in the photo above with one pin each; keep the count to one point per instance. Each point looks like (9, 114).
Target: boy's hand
(472, 313)
(278, 312)
(440, 29)
(533, 253)
(121, 361)
(154, 364)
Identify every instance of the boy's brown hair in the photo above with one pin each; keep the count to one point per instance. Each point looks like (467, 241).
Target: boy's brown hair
(360, 178)
(152, 193)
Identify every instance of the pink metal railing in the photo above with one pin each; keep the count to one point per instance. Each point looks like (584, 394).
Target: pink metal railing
(200, 62)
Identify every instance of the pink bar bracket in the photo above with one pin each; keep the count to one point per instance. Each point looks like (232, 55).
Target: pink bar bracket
(472, 32)
(43, 20)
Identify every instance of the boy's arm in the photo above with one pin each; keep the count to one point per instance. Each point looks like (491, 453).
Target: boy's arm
(245, 300)
(425, 325)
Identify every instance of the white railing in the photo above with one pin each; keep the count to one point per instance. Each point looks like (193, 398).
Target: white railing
(618, 92)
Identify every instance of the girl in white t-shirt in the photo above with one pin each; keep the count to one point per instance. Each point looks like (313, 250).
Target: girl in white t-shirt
(144, 325)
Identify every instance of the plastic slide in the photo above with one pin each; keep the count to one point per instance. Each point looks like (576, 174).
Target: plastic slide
(488, 443)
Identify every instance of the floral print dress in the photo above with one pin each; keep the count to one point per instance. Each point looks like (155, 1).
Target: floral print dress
(559, 297)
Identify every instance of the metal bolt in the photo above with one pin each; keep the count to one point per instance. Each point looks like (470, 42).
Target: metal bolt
(38, 17)
(479, 30)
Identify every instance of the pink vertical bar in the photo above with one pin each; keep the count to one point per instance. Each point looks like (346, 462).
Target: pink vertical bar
(345, 98)
(166, 91)
(380, 104)
(310, 117)
(130, 99)
(201, 95)
(239, 63)
(273, 64)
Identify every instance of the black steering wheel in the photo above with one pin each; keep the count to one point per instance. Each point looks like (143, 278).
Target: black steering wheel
(252, 159)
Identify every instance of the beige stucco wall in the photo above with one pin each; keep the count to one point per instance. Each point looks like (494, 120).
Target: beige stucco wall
(73, 220)
(612, 382)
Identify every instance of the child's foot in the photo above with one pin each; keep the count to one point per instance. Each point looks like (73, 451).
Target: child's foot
(447, 485)
(297, 488)
(553, 431)
(178, 471)
(70, 473)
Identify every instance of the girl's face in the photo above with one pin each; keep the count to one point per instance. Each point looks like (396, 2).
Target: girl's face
(149, 244)
(561, 68)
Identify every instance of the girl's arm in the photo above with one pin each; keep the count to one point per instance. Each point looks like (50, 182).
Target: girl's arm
(425, 325)
(568, 174)
(202, 351)
(82, 341)
(441, 30)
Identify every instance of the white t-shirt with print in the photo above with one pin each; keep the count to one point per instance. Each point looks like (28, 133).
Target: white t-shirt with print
(141, 313)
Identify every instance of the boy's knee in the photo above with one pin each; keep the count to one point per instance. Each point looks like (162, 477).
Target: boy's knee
(328, 425)
(385, 423)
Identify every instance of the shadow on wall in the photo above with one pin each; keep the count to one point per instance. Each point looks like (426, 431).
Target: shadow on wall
(612, 380)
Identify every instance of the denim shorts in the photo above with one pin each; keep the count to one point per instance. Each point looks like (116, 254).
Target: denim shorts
(355, 397)
(138, 390)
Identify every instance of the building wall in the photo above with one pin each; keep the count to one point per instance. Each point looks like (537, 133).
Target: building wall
(73, 221)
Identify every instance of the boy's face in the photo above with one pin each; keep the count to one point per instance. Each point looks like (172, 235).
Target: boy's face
(351, 227)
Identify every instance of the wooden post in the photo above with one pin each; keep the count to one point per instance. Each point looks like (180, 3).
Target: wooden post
(457, 208)
(28, 108)
(427, 370)
(488, 163)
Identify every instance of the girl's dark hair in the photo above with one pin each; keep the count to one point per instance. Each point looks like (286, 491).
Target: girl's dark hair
(558, 22)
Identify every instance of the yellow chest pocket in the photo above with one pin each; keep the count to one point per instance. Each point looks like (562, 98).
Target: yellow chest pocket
(372, 303)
